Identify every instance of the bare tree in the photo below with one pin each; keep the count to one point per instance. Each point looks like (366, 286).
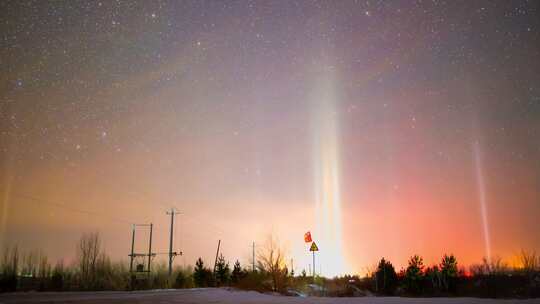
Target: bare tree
(29, 263)
(271, 259)
(529, 260)
(44, 267)
(9, 269)
(494, 266)
(88, 251)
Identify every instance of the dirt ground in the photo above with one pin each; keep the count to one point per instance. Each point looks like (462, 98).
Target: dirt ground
(218, 296)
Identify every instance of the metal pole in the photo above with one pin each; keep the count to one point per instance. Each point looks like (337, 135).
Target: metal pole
(132, 248)
(150, 249)
(171, 242)
(313, 266)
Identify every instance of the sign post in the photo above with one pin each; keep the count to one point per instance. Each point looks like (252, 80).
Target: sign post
(313, 248)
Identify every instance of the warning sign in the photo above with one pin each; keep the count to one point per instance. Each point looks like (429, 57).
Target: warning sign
(314, 247)
(307, 237)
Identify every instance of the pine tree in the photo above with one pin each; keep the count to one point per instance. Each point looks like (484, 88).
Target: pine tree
(223, 271)
(202, 276)
(386, 278)
(449, 271)
(414, 275)
(237, 273)
(433, 276)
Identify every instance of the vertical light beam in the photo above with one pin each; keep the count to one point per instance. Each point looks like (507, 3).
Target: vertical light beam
(327, 173)
(5, 200)
(482, 198)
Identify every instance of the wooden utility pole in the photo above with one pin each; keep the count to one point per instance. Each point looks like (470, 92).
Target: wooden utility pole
(150, 249)
(171, 237)
(217, 253)
(253, 258)
(133, 255)
(132, 248)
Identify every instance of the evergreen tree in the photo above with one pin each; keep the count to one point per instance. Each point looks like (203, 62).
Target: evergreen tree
(223, 271)
(385, 278)
(433, 276)
(414, 275)
(449, 272)
(237, 273)
(202, 276)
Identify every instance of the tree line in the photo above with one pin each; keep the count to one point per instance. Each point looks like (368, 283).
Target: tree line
(92, 269)
(488, 279)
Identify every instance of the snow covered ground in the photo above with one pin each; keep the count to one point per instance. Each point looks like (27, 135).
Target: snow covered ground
(218, 296)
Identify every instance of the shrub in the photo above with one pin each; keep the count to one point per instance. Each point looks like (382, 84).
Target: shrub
(256, 280)
(181, 280)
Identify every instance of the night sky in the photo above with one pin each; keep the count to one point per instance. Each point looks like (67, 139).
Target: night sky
(387, 128)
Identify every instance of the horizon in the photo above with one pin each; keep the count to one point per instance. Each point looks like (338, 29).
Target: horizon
(384, 129)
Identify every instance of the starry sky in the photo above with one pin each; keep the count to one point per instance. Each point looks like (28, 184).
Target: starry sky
(425, 116)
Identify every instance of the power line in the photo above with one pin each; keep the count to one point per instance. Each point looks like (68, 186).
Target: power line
(68, 208)
(189, 217)
(145, 195)
(198, 220)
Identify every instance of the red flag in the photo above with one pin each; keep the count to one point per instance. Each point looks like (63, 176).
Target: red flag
(307, 237)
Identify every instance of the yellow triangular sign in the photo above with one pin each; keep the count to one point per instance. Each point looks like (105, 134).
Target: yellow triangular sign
(314, 247)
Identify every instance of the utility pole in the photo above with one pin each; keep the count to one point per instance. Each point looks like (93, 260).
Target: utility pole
(132, 248)
(150, 249)
(253, 258)
(171, 253)
(140, 267)
(217, 253)
(292, 266)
